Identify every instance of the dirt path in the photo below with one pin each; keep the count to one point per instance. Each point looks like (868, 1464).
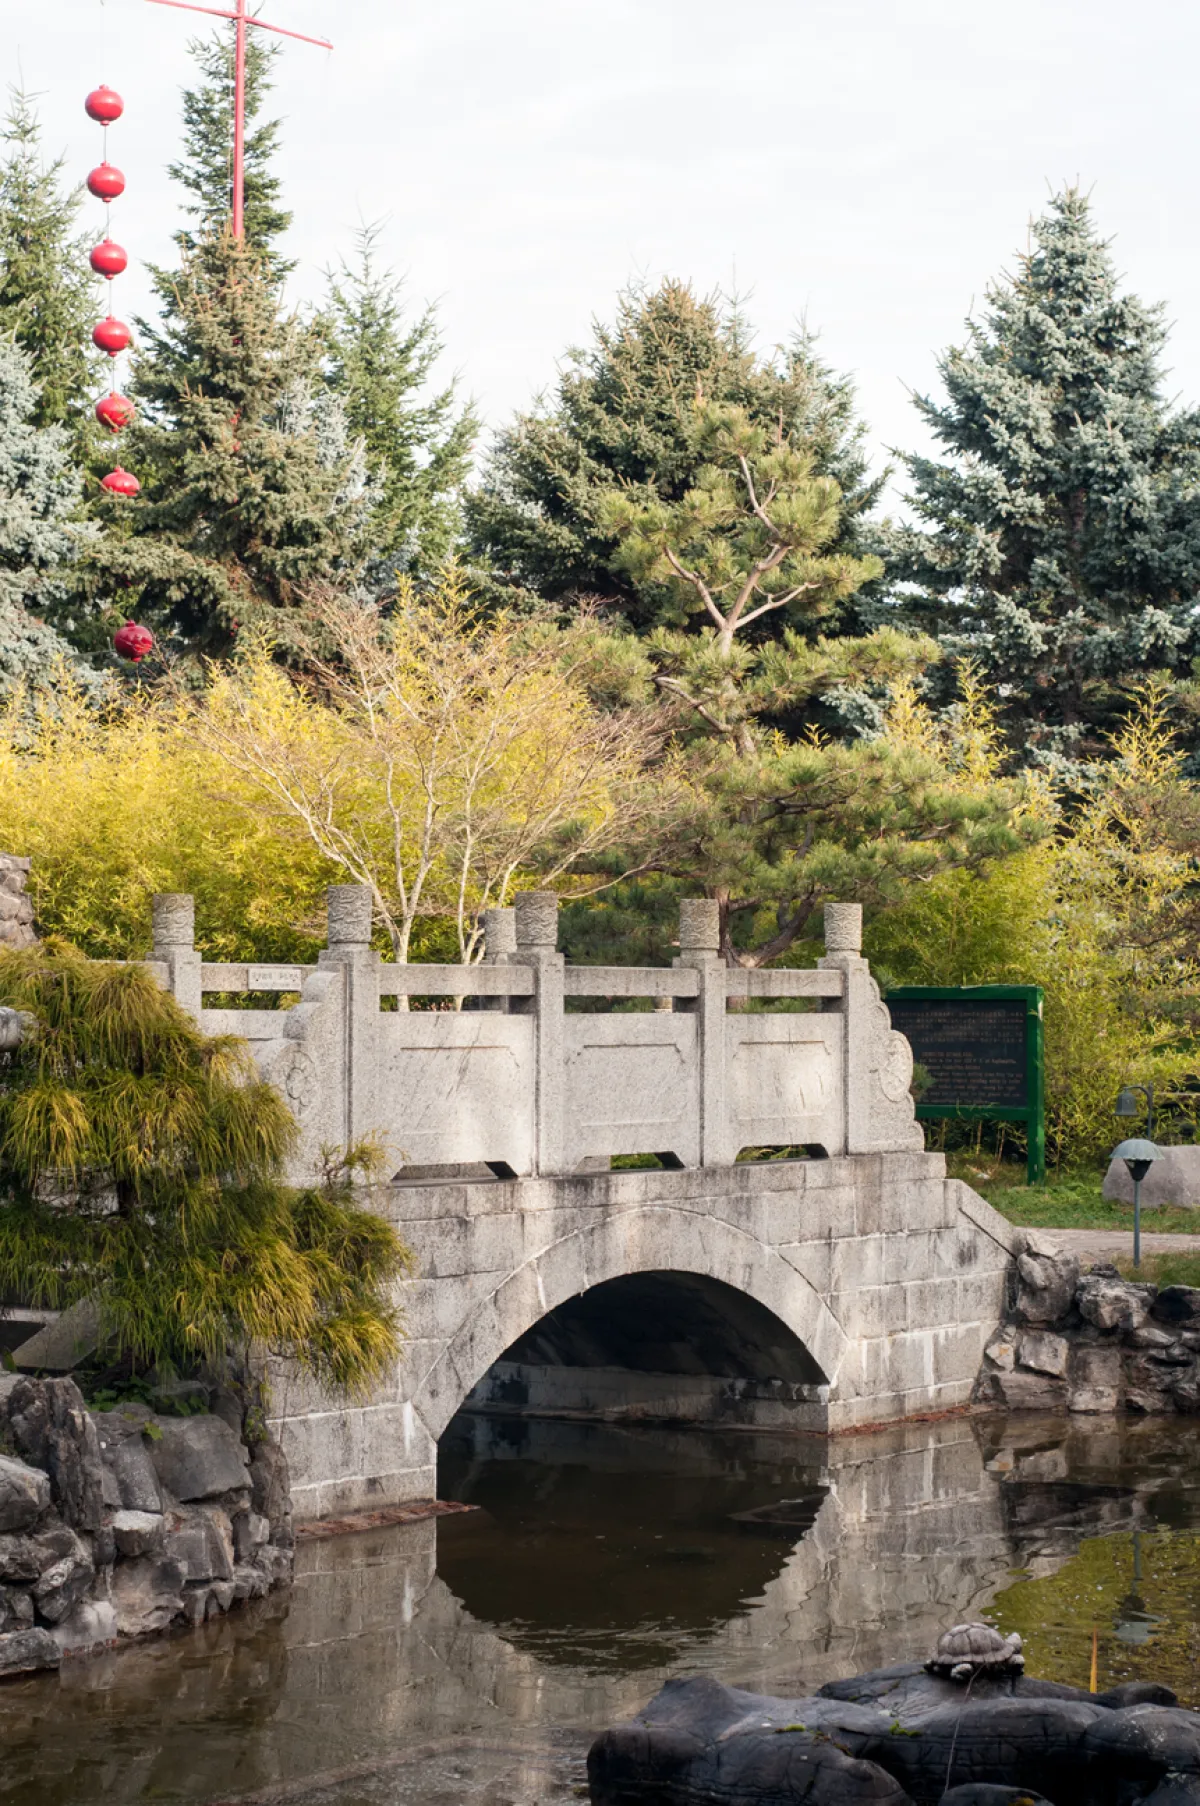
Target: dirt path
(1104, 1244)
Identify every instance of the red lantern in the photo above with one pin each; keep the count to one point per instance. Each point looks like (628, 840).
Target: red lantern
(108, 259)
(111, 335)
(115, 411)
(104, 105)
(121, 482)
(133, 642)
(106, 182)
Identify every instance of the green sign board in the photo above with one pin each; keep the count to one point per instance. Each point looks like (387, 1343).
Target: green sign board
(982, 1048)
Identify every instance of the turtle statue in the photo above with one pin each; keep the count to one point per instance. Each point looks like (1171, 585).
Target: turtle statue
(970, 1649)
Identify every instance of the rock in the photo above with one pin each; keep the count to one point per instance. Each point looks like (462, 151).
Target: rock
(1177, 1304)
(24, 1495)
(896, 1736)
(52, 1429)
(92, 1624)
(197, 1457)
(250, 1532)
(138, 1532)
(137, 1482)
(1002, 1349)
(1043, 1352)
(1095, 1380)
(16, 1609)
(1113, 1303)
(169, 1395)
(1185, 1395)
(1150, 1336)
(1048, 1279)
(1148, 1384)
(147, 1594)
(1174, 1178)
(23, 1650)
(228, 1407)
(249, 1582)
(1032, 1391)
(270, 1493)
(200, 1539)
(60, 1587)
(991, 1793)
(20, 1558)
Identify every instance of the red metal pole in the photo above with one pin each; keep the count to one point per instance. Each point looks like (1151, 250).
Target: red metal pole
(239, 121)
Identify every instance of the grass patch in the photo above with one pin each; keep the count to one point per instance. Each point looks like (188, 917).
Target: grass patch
(1162, 1269)
(1068, 1200)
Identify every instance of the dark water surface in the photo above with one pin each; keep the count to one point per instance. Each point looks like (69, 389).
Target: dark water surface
(469, 1662)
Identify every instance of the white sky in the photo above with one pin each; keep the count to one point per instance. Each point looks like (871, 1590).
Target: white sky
(870, 165)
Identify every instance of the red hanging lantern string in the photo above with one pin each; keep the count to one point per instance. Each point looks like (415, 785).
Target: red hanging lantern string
(112, 336)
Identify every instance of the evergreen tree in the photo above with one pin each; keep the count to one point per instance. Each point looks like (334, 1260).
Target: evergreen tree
(417, 446)
(251, 490)
(1058, 541)
(628, 415)
(39, 501)
(771, 828)
(47, 291)
(206, 168)
(141, 1166)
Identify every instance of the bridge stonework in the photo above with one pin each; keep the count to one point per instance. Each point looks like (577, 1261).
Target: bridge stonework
(854, 1286)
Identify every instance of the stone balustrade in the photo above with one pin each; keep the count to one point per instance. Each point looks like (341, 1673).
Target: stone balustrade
(510, 1072)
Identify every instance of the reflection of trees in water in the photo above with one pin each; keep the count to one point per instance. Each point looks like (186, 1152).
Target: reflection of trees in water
(517, 1640)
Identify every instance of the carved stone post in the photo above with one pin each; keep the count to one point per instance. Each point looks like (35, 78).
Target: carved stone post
(877, 1062)
(348, 913)
(536, 920)
(174, 918)
(499, 947)
(700, 951)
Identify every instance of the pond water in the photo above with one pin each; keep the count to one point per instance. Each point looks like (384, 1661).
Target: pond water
(468, 1662)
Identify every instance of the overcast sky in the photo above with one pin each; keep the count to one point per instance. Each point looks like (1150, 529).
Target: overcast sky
(868, 165)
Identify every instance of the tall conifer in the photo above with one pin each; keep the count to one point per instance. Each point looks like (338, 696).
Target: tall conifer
(47, 292)
(417, 444)
(628, 415)
(1057, 540)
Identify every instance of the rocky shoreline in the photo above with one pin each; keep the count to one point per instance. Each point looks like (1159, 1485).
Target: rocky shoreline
(1091, 1342)
(120, 1523)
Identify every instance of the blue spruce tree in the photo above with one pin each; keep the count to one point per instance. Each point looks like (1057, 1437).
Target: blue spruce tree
(39, 533)
(1058, 541)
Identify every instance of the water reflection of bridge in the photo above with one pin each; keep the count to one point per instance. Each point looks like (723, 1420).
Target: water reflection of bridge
(390, 1653)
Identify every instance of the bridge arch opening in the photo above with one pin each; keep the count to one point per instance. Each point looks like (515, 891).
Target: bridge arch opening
(657, 1346)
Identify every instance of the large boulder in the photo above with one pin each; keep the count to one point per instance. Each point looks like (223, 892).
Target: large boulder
(50, 1427)
(1174, 1178)
(198, 1457)
(200, 1539)
(24, 1495)
(898, 1736)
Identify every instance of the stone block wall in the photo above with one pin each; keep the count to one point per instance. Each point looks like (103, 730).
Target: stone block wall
(888, 1274)
(118, 1523)
(16, 910)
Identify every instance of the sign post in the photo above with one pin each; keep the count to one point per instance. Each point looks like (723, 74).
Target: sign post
(982, 1048)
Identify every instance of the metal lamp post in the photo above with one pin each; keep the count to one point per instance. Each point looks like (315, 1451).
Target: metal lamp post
(1128, 1106)
(1139, 1156)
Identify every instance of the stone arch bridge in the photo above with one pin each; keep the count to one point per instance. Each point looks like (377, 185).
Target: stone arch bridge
(836, 1279)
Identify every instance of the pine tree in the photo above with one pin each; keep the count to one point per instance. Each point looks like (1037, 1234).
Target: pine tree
(40, 533)
(628, 414)
(206, 168)
(417, 446)
(251, 489)
(47, 291)
(1058, 541)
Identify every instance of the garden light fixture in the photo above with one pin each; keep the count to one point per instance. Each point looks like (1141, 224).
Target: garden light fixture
(1127, 1104)
(1139, 1156)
